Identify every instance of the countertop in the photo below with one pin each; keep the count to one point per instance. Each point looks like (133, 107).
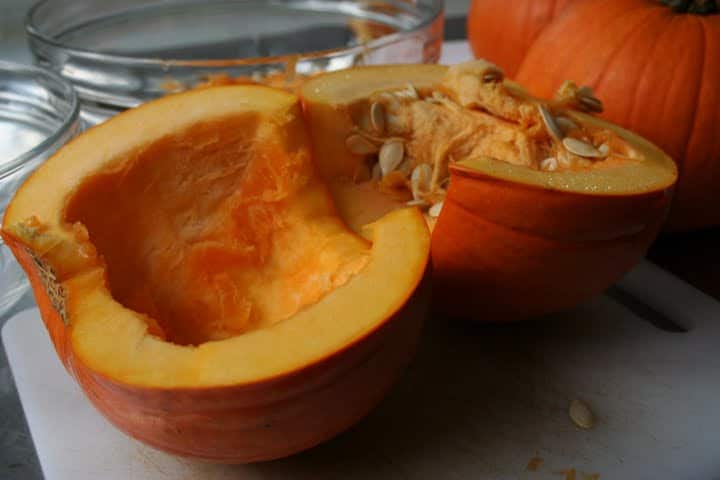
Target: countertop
(693, 257)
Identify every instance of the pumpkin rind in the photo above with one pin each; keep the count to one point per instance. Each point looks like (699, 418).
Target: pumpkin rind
(542, 252)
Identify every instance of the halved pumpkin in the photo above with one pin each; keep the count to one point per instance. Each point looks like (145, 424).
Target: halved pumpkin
(540, 204)
(199, 284)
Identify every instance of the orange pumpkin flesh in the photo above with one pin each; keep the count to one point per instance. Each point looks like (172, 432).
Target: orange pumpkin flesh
(198, 283)
(512, 241)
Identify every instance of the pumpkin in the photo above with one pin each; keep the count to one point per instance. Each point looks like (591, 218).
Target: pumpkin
(502, 32)
(198, 284)
(236, 274)
(656, 64)
(517, 236)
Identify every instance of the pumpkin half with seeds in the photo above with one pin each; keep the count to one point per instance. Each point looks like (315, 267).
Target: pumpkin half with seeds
(534, 205)
(198, 283)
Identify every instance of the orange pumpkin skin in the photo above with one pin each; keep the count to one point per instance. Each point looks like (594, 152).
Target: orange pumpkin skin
(502, 31)
(270, 420)
(657, 72)
(503, 251)
(252, 422)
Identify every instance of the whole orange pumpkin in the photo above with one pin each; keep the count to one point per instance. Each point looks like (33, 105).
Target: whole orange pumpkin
(502, 31)
(656, 65)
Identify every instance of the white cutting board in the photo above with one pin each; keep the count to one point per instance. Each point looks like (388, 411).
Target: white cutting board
(478, 402)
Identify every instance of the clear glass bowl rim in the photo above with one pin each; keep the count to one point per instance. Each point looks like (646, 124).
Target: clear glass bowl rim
(33, 31)
(33, 72)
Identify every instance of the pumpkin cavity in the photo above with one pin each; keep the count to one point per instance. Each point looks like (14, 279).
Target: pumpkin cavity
(217, 230)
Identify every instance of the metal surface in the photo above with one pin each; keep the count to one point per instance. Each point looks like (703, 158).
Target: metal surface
(18, 460)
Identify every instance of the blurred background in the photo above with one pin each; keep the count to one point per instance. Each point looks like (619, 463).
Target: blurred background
(13, 46)
(12, 37)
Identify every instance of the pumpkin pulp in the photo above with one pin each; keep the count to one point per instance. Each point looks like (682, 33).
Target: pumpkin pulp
(457, 118)
(217, 229)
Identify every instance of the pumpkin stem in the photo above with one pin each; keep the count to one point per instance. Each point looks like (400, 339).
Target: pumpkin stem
(697, 7)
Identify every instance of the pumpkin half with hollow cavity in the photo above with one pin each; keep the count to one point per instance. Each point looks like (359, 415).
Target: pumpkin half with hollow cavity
(535, 205)
(199, 284)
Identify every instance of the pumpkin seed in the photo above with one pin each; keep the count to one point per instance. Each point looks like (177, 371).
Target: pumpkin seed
(377, 117)
(393, 124)
(585, 91)
(488, 72)
(493, 75)
(435, 210)
(420, 180)
(359, 145)
(391, 100)
(581, 415)
(581, 149)
(550, 164)
(566, 124)
(391, 155)
(604, 149)
(592, 104)
(412, 92)
(408, 92)
(416, 203)
(550, 124)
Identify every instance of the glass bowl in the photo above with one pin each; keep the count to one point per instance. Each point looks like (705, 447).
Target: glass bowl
(38, 114)
(120, 53)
